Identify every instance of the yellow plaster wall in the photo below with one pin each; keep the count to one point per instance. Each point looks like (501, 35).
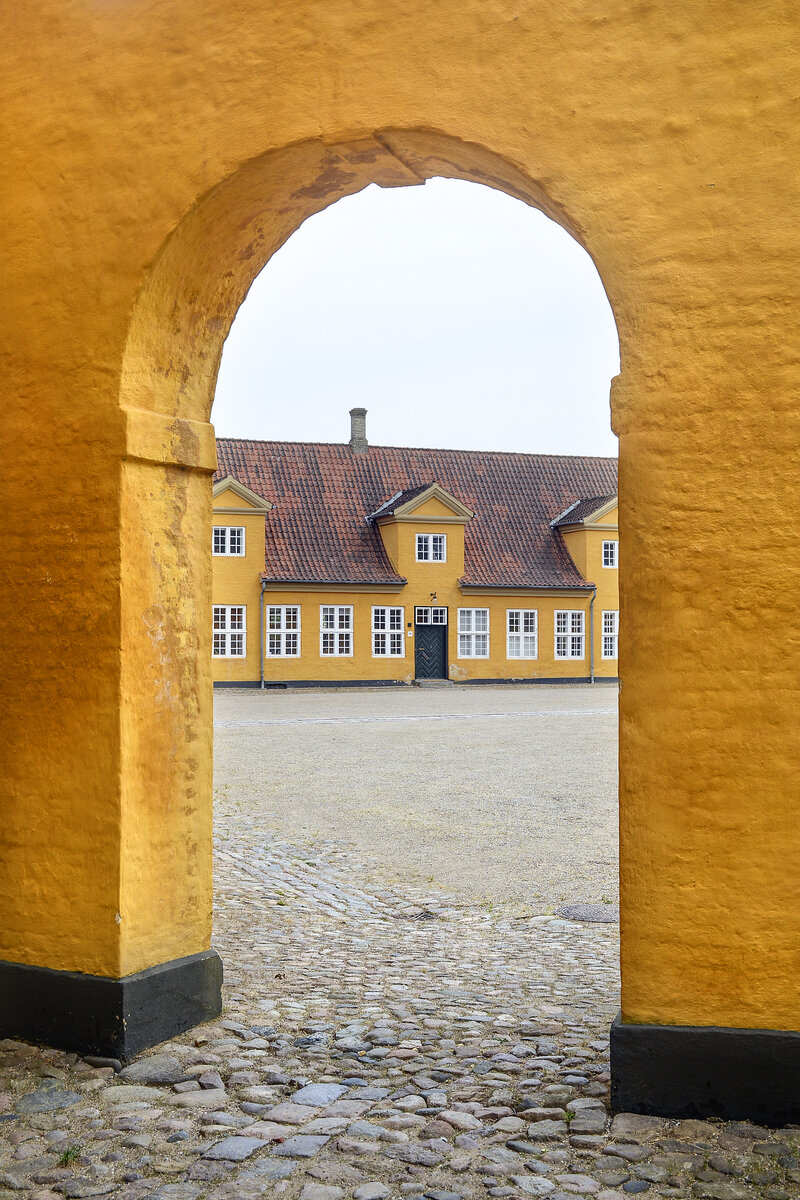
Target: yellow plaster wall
(586, 550)
(236, 580)
(155, 155)
(311, 665)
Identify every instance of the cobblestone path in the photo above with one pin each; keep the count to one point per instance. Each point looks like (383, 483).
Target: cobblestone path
(375, 1044)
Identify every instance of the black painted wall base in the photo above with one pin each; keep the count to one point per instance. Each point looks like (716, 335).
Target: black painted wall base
(116, 1018)
(697, 1071)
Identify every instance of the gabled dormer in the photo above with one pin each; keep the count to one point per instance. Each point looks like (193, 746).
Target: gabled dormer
(422, 529)
(591, 532)
(238, 519)
(231, 496)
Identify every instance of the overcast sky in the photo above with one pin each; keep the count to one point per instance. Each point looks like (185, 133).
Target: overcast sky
(457, 316)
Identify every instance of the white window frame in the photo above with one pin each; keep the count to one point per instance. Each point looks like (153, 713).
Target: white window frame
(466, 630)
(529, 616)
(570, 641)
(430, 615)
(226, 531)
(232, 628)
(388, 629)
(611, 548)
(285, 635)
(425, 541)
(341, 629)
(610, 634)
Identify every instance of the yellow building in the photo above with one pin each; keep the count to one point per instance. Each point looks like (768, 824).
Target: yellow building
(351, 564)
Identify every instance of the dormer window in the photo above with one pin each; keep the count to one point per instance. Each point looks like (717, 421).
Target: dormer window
(228, 539)
(431, 547)
(610, 554)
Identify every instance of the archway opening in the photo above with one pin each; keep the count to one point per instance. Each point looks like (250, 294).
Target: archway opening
(465, 320)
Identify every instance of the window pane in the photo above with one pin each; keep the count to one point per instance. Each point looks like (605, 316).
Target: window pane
(219, 643)
(291, 618)
(327, 643)
(344, 618)
(422, 547)
(423, 616)
(439, 616)
(481, 644)
(396, 643)
(481, 619)
(395, 618)
(561, 646)
(292, 643)
(236, 618)
(576, 647)
(465, 620)
(219, 540)
(237, 643)
(379, 643)
(577, 622)
(379, 618)
(561, 622)
(274, 643)
(344, 643)
(513, 621)
(529, 621)
(437, 547)
(464, 644)
(514, 646)
(219, 618)
(327, 617)
(235, 541)
(529, 646)
(274, 618)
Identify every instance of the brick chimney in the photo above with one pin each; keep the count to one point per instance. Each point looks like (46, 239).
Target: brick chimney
(358, 430)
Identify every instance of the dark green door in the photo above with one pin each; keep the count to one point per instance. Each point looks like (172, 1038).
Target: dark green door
(430, 651)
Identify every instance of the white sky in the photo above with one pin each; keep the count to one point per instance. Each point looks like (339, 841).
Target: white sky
(457, 316)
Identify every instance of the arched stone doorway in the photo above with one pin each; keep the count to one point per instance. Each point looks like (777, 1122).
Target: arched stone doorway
(149, 190)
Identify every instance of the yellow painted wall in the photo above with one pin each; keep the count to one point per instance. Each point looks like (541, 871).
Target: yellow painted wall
(585, 545)
(155, 156)
(236, 580)
(312, 666)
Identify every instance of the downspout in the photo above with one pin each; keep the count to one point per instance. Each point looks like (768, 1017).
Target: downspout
(591, 633)
(261, 627)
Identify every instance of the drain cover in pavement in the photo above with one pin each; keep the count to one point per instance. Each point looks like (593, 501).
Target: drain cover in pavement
(589, 912)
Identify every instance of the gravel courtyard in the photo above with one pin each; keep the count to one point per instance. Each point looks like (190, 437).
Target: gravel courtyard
(502, 794)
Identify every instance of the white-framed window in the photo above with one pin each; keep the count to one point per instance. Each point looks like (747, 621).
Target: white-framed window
(230, 631)
(336, 630)
(473, 633)
(610, 634)
(228, 539)
(430, 616)
(388, 635)
(569, 633)
(522, 625)
(431, 547)
(610, 554)
(283, 630)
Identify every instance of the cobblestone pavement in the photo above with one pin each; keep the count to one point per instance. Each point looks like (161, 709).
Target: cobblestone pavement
(376, 1043)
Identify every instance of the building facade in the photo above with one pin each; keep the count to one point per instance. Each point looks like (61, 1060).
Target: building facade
(351, 564)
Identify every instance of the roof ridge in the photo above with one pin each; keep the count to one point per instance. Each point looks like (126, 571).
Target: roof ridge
(434, 449)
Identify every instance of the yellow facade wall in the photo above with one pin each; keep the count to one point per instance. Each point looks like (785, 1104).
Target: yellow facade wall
(237, 580)
(585, 545)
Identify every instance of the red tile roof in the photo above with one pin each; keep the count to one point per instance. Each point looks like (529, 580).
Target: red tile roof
(577, 513)
(318, 531)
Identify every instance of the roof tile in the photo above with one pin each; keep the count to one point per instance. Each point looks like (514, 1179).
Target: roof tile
(318, 530)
